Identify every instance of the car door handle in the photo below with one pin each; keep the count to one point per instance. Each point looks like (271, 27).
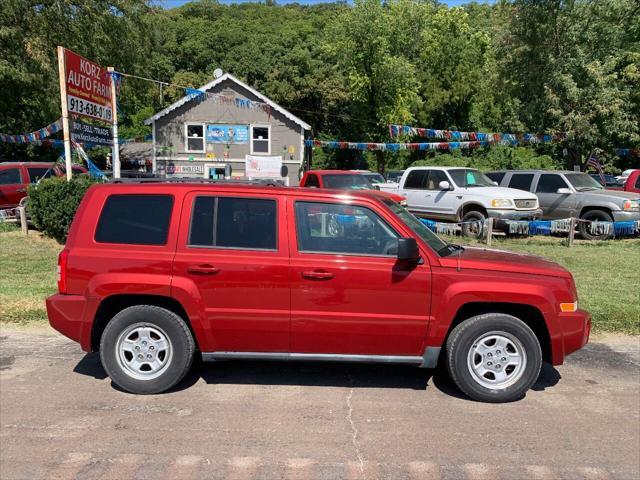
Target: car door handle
(21, 190)
(317, 275)
(203, 269)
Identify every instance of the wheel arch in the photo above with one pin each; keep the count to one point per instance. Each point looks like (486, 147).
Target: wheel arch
(589, 208)
(471, 207)
(113, 304)
(529, 314)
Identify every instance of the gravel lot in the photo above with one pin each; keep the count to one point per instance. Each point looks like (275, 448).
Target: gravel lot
(60, 417)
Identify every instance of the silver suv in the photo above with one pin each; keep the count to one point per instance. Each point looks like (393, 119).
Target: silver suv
(564, 194)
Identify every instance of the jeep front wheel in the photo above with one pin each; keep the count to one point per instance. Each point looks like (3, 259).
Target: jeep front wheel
(146, 349)
(494, 357)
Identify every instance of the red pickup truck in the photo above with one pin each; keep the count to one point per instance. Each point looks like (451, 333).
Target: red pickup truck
(154, 273)
(632, 183)
(347, 180)
(15, 177)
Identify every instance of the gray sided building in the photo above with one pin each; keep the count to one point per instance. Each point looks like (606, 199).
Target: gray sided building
(230, 123)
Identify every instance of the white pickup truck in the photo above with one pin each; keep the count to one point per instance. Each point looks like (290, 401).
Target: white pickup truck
(462, 195)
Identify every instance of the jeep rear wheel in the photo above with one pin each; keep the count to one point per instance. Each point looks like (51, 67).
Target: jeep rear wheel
(494, 357)
(146, 349)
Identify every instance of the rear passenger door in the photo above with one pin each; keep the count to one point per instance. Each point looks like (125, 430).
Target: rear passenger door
(415, 189)
(233, 250)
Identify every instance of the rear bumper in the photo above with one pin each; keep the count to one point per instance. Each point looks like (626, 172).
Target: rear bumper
(576, 328)
(66, 314)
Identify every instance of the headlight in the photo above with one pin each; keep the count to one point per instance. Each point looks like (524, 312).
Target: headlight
(631, 205)
(501, 202)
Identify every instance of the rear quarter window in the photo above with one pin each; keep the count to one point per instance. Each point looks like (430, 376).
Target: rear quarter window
(135, 219)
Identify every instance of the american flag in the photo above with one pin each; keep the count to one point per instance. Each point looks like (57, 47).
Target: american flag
(593, 162)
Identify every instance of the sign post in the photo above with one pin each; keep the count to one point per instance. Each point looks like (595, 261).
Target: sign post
(115, 158)
(65, 112)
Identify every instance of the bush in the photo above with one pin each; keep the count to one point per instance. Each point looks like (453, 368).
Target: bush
(53, 203)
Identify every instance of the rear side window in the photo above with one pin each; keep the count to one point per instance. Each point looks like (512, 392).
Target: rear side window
(550, 183)
(312, 181)
(9, 176)
(416, 179)
(521, 181)
(229, 222)
(135, 219)
(638, 181)
(38, 173)
(496, 176)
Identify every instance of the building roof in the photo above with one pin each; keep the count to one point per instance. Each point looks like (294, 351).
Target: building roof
(219, 80)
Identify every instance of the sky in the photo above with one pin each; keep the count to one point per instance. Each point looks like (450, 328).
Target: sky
(177, 3)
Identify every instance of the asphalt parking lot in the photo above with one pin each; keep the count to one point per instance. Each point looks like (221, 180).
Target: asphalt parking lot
(60, 417)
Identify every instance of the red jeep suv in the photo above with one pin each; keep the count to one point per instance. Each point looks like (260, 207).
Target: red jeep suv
(154, 272)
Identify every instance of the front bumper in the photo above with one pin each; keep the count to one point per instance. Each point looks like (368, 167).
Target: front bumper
(625, 216)
(575, 330)
(66, 314)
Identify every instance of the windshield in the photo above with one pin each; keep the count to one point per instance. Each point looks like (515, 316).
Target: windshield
(374, 177)
(351, 182)
(583, 182)
(416, 226)
(468, 177)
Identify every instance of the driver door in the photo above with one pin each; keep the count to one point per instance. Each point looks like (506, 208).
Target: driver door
(555, 205)
(349, 295)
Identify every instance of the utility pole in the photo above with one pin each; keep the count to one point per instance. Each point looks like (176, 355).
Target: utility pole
(115, 157)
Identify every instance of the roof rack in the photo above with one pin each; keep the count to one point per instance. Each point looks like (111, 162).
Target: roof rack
(258, 181)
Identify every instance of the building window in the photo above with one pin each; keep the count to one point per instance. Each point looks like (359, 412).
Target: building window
(194, 133)
(261, 139)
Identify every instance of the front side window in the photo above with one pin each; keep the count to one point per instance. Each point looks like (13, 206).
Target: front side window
(135, 219)
(637, 182)
(10, 176)
(260, 140)
(521, 181)
(345, 229)
(229, 222)
(434, 179)
(194, 137)
(550, 183)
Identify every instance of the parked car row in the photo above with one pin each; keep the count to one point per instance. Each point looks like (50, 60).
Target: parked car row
(15, 177)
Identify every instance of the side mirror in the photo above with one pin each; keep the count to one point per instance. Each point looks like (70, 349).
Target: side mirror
(408, 249)
(444, 185)
(564, 191)
(495, 183)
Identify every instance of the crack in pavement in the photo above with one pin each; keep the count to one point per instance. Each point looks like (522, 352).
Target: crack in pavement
(354, 430)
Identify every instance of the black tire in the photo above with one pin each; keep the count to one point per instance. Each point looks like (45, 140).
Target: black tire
(475, 229)
(177, 363)
(585, 227)
(458, 353)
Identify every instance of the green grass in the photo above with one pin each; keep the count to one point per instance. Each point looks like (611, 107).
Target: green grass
(27, 274)
(607, 275)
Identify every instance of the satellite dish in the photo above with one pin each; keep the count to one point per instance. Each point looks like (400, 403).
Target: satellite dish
(217, 73)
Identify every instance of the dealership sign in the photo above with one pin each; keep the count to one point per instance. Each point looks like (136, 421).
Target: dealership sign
(84, 133)
(185, 169)
(88, 87)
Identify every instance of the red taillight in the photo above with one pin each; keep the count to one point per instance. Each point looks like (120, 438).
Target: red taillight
(62, 271)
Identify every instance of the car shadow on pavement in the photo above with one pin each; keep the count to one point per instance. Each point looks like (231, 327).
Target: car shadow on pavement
(346, 375)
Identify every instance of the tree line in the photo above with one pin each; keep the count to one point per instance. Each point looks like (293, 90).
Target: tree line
(349, 70)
